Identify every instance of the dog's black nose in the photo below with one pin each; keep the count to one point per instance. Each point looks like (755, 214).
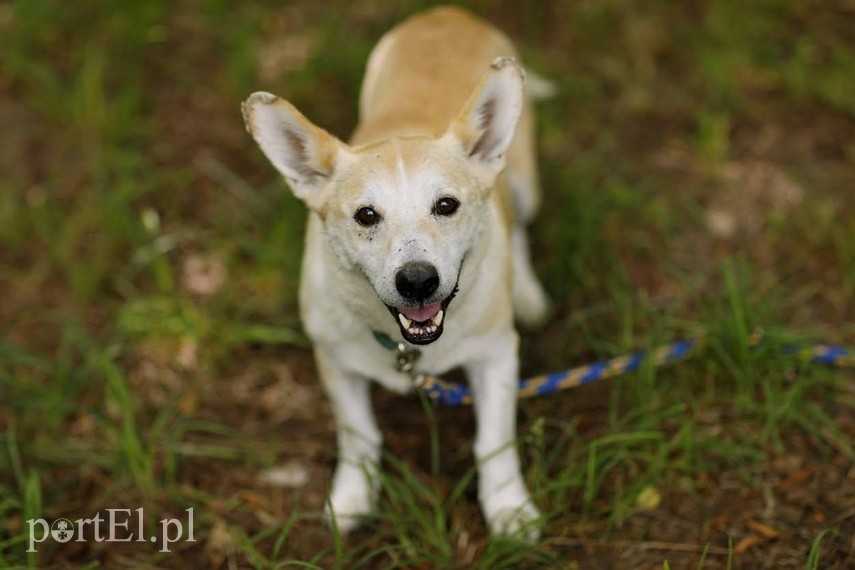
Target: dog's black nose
(417, 281)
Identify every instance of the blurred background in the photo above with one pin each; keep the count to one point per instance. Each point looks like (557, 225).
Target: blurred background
(697, 160)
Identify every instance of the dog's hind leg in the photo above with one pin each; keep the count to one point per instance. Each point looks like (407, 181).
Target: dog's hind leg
(531, 304)
(354, 484)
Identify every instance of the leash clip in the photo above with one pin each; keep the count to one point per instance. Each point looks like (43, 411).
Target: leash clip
(406, 358)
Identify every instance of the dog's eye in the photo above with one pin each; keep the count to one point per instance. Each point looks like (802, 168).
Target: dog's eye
(445, 206)
(366, 216)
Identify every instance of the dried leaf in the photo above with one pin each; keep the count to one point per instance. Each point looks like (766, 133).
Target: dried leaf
(796, 478)
(254, 501)
(290, 475)
(648, 499)
(764, 530)
(203, 275)
(748, 542)
(220, 544)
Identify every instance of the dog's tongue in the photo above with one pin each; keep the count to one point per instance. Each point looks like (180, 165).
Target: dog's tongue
(421, 314)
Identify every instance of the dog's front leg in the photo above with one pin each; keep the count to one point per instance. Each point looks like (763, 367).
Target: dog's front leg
(501, 489)
(354, 483)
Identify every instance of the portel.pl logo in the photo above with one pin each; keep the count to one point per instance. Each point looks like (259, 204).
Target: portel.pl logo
(115, 527)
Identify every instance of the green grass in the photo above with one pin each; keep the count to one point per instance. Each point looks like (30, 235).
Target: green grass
(122, 384)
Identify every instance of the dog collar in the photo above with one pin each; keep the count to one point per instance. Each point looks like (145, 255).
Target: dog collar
(405, 357)
(385, 340)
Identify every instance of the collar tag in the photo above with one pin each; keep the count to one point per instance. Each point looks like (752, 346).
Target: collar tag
(406, 358)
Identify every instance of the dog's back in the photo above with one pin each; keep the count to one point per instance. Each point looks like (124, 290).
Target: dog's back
(420, 73)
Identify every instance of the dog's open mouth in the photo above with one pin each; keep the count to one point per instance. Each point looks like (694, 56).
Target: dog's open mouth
(421, 325)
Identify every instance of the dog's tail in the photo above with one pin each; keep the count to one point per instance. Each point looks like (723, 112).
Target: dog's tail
(537, 87)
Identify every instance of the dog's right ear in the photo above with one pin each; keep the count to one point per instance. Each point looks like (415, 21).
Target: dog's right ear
(305, 154)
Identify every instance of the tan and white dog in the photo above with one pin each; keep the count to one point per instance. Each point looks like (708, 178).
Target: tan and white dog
(417, 232)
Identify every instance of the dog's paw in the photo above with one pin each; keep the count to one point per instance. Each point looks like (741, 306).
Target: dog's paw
(511, 514)
(519, 523)
(345, 512)
(351, 500)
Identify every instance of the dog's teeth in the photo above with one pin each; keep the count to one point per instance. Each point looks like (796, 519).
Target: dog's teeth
(421, 329)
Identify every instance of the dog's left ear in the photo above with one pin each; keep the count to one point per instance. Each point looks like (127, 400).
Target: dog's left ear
(486, 125)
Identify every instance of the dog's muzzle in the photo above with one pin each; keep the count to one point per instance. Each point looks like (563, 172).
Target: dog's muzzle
(420, 321)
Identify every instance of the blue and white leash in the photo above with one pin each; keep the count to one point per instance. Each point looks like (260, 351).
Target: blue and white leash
(456, 394)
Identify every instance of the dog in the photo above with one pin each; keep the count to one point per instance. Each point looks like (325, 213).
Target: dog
(417, 233)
